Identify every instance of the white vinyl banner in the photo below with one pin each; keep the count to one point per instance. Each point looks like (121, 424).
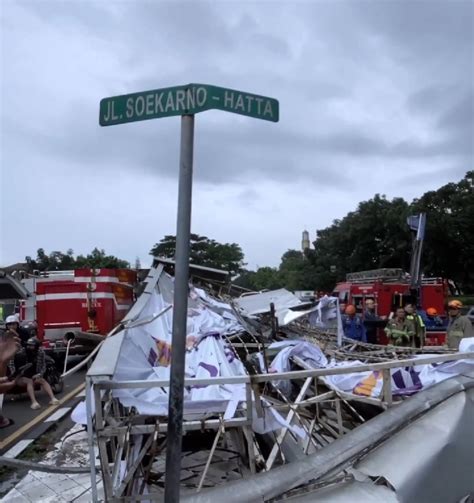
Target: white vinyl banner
(146, 354)
(405, 380)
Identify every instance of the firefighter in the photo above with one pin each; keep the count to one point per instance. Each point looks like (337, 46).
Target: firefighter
(33, 354)
(458, 326)
(419, 327)
(400, 331)
(353, 325)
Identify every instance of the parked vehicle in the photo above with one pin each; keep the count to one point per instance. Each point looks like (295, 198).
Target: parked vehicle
(391, 288)
(81, 306)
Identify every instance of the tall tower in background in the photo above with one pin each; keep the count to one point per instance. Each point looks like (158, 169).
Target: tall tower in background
(305, 241)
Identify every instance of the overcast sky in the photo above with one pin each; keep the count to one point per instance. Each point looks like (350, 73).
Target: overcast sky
(375, 97)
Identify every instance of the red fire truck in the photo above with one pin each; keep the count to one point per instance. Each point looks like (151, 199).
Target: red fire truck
(391, 288)
(81, 305)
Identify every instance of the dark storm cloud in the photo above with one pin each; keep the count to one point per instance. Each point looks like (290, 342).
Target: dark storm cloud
(460, 116)
(365, 88)
(430, 98)
(200, 35)
(441, 31)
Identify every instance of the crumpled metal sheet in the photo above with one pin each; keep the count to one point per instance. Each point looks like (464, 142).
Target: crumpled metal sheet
(450, 474)
(259, 303)
(428, 460)
(353, 492)
(433, 458)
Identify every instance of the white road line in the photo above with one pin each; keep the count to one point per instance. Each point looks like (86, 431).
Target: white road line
(57, 415)
(18, 448)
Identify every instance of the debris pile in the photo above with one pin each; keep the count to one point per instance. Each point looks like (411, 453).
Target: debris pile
(269, 383)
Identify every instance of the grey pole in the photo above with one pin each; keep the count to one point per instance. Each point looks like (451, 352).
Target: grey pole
(180, 309)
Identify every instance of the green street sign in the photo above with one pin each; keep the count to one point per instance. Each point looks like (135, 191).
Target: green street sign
(185, 100)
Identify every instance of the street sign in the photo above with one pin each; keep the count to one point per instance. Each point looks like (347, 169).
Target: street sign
(185, 100)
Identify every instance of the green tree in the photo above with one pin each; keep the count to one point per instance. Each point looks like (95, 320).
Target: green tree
(98, 259)
(448, 250)
(264, 278)
(204, 251)
(374, 235)
(297, 272)
(59, 261)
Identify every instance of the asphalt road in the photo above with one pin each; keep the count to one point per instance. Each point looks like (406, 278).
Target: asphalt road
(17, 407)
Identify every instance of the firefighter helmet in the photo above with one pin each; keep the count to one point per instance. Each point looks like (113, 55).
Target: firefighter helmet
(455, 304)
(431, 311)
(11, 319)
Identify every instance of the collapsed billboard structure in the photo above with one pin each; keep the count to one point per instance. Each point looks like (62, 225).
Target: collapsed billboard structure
(274, 406)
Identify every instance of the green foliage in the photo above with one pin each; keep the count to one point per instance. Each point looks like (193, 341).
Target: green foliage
(264, 278)
(376, 235)
(58, 261)
(204, 251)
(449, 244)
(98, 259)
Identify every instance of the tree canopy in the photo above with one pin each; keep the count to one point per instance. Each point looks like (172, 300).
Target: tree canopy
(449, 244)
(376, 235)
(59, 261)
(204, 251)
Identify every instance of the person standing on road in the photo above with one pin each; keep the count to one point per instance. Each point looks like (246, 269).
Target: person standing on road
(352, 324)
(372, 321)
(33, 354)
(399, 330)
(418, 340)
(458, 326)
(431, 319)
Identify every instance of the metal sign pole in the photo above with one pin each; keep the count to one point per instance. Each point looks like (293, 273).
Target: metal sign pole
(180, 309)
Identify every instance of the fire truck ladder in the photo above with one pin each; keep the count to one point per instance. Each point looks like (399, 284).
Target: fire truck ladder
(390, 274)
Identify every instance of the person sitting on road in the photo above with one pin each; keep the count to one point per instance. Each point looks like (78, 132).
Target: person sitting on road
(458, 326)
(400, 331)
(33, 354)
(352, 324)
(9, 345)
(12, 323)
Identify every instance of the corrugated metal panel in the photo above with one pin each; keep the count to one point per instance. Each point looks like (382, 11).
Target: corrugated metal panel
(259, 303)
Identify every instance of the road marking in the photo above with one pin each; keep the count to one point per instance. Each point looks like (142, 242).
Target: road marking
(57, 415)
(18, 433)
(18, 448)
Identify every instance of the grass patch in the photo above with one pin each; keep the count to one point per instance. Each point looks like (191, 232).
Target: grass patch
(37, 449)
